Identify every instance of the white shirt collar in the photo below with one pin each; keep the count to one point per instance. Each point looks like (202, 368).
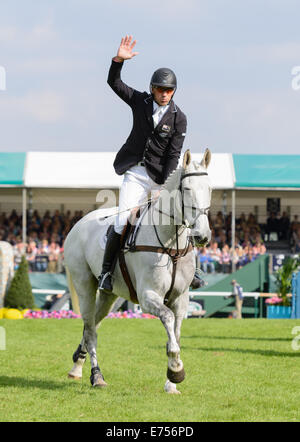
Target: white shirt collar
(163, 108)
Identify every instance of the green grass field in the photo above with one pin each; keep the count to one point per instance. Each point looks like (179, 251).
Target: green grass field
(235, 371)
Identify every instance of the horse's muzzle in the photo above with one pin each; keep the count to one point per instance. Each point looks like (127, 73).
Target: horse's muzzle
(200, 242)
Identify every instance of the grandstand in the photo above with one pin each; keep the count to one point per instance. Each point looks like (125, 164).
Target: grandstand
(43, 194)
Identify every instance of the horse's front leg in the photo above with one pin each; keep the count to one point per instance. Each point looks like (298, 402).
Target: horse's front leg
(151, 302)
(179, 308)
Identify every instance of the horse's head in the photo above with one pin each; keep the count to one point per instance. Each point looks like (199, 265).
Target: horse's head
(196, 196)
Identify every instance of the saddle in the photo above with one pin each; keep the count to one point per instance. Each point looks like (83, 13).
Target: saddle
(128, 244)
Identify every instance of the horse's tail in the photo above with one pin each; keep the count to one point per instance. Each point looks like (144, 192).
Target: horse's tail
(73, 293)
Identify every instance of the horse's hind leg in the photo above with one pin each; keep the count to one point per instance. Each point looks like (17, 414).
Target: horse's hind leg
(86, 286)
(79, 358)
(103, 306)
(152, 303)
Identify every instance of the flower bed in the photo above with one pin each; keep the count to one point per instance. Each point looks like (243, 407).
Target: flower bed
(65, 314)
(131, 314)
(44, 314)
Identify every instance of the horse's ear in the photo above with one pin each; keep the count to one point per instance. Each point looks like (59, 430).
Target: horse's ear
(206, 158)
(187, 158)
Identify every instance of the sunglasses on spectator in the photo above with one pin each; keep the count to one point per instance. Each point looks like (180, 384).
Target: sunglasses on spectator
(161, 89)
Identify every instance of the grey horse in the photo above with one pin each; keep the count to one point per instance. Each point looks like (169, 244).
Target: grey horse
(178, 213)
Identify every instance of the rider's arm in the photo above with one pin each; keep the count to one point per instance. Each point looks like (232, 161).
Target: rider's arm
(125, 92)
(125, 52)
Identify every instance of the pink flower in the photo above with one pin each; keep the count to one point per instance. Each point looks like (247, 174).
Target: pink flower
(274, 300)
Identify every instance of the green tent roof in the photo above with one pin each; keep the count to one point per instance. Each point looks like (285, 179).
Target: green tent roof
(12, 168)
(281, 171)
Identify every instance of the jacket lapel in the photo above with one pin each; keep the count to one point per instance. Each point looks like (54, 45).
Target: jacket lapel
(149, 110)
(172, 109)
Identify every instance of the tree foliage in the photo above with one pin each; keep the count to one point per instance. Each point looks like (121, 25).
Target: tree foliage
(19, 294)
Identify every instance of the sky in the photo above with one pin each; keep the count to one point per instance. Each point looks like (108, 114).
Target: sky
(234, 62)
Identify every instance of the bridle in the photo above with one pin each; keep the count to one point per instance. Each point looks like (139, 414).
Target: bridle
(201, 211)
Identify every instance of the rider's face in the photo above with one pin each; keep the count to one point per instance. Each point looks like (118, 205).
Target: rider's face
(162, 95)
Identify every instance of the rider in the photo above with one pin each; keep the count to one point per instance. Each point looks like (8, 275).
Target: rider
(152, 149)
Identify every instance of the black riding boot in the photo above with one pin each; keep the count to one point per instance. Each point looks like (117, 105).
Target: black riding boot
(197, 282)
(109, 260)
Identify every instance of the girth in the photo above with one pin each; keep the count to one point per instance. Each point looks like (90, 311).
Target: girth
(174, 254)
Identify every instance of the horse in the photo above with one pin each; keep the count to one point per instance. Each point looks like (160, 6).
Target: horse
(169, 224)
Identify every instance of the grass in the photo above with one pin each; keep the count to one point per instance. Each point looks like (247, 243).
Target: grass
(235, 371)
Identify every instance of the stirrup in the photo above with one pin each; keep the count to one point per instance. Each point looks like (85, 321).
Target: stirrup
(105, 282)
(197, 282)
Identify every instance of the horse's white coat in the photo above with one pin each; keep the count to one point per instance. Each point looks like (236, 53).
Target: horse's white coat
(150, 272)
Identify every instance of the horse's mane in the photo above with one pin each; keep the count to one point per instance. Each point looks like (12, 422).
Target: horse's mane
(172, 181)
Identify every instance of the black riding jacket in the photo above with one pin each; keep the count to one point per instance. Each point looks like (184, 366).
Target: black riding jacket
(159, 148)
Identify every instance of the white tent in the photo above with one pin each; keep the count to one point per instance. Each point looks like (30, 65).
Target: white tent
(94, 170)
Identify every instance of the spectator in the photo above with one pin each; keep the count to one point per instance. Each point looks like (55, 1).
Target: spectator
(215, 254)
(19, 249)
(225, 259)
(42, 257)
(206, 262)
(237, 292)
(54, 251)
(272, 225)
(31, 254)
(284, 226)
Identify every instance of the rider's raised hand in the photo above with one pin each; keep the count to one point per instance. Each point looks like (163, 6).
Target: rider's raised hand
(125, 51)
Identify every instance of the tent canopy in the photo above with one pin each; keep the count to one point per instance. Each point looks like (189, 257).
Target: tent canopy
(12, 168)
(267, 171)
(95, 170)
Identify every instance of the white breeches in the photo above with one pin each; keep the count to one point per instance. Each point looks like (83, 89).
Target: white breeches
(136, 187)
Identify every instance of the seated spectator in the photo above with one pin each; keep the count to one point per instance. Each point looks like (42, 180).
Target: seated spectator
(42, 257)
(54, 251)
(242, 257)
(272, 225)
(19, 249)
(284, 226)
(30, 255)
(225, 259)
(206, 262)
(215, 254)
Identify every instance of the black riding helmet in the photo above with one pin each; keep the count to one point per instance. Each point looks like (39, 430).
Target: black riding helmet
(163, 77)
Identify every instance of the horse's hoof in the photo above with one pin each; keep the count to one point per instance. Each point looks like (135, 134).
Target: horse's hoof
(171, 388)
(97, 379)
(75, 378)
(100, 384)
(176, 376)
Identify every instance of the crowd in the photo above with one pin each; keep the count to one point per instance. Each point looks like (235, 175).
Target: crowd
(46, 234)
(45, 238)
(219, 255)
(249, 242)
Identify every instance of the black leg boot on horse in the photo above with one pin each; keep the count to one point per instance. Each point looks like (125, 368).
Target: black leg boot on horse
(109, 260)
(197, 282)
